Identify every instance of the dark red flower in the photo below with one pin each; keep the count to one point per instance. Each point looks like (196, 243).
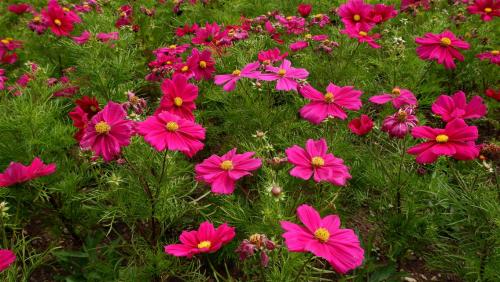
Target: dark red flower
(304, 9)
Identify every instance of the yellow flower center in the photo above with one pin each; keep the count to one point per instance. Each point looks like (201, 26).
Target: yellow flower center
(402, 115)
(172, 126)
(495, 52)
(58, 22)
(65, 9)
(173, 46)
(289, 17)
(93, 108)
(204, 245)
(123, 14)
(178, 101)
(282, 72)
(236, 72)
(396, 91)
(86, 6)
(36, 19)
(308, 36)
(488, 10)
(357, 18)
(169, 62)
(322, 234)
(184, 68)
(102, 127)
(134, 100)
(226, 165)
(203, 64)
(318, 162)
(441, 138)
(446, 41)
(5, 41)
(363, 33)
(329, 97)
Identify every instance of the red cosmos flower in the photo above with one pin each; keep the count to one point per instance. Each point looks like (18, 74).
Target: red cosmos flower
(7, 257)
(19, 173)
(304, 10)
(271, 56)
(201, 64)
(125, 16)
(7, 45)
(441, 48)
(488, 9)
(80, 120)
(60, 20)
(20, 8)
(456, 140)
(186, 29)
(361, 126)
(490, 92)
(412, 4)
(89, 105)
(381, 13)
(206, 239)
(456, 106)
(178, 97)
(107, 132)
(3, 79)
(356, 14)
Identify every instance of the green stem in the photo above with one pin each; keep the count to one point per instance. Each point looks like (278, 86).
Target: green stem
(303, 268)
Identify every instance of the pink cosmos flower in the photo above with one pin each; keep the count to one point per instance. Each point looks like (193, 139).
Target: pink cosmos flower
(206, 239)
(178, 97)
(3, 79)
(321, 20)
(362, 36)
(492, 56)
(453, 107)
(441, 47)
(59, 20)
(400, 123)
(361, 126)
(381, 13)
(83, 38)
(285, 75)
(166, 131)
(315, 161)
(7, 257)
(107, 132)
(399, 97)
(413, 4)
(332, 104)
(488, 9)
(18, 173)
(171, 50)
(38, 24)
(324, 238)
(201, 64)
(223, 172)
(184, 69)
(456, 140)
(299, 45)
(105, 37)
(292, 24)
(135, 103)
(271, 56)
(355, 14)
(211, 34)
(229, 80)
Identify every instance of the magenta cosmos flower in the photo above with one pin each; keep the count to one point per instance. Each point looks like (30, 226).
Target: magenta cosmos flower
(453, 107)
(356, 14)
(399, 98)
(324, 238)
(107, 132)
(456, 140)
(229, 80)
(18, 173)
(7, 257)
(201, 64)
(361, 126)
(332, 104)
(441, 48)
(400, 123)
(178, 97)
(59, 20)
(168, 131)
(362, 36)
(223, 172)
(488, 9)
(285, 75)
(492, 56)
(206, 239)
(315, 161)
